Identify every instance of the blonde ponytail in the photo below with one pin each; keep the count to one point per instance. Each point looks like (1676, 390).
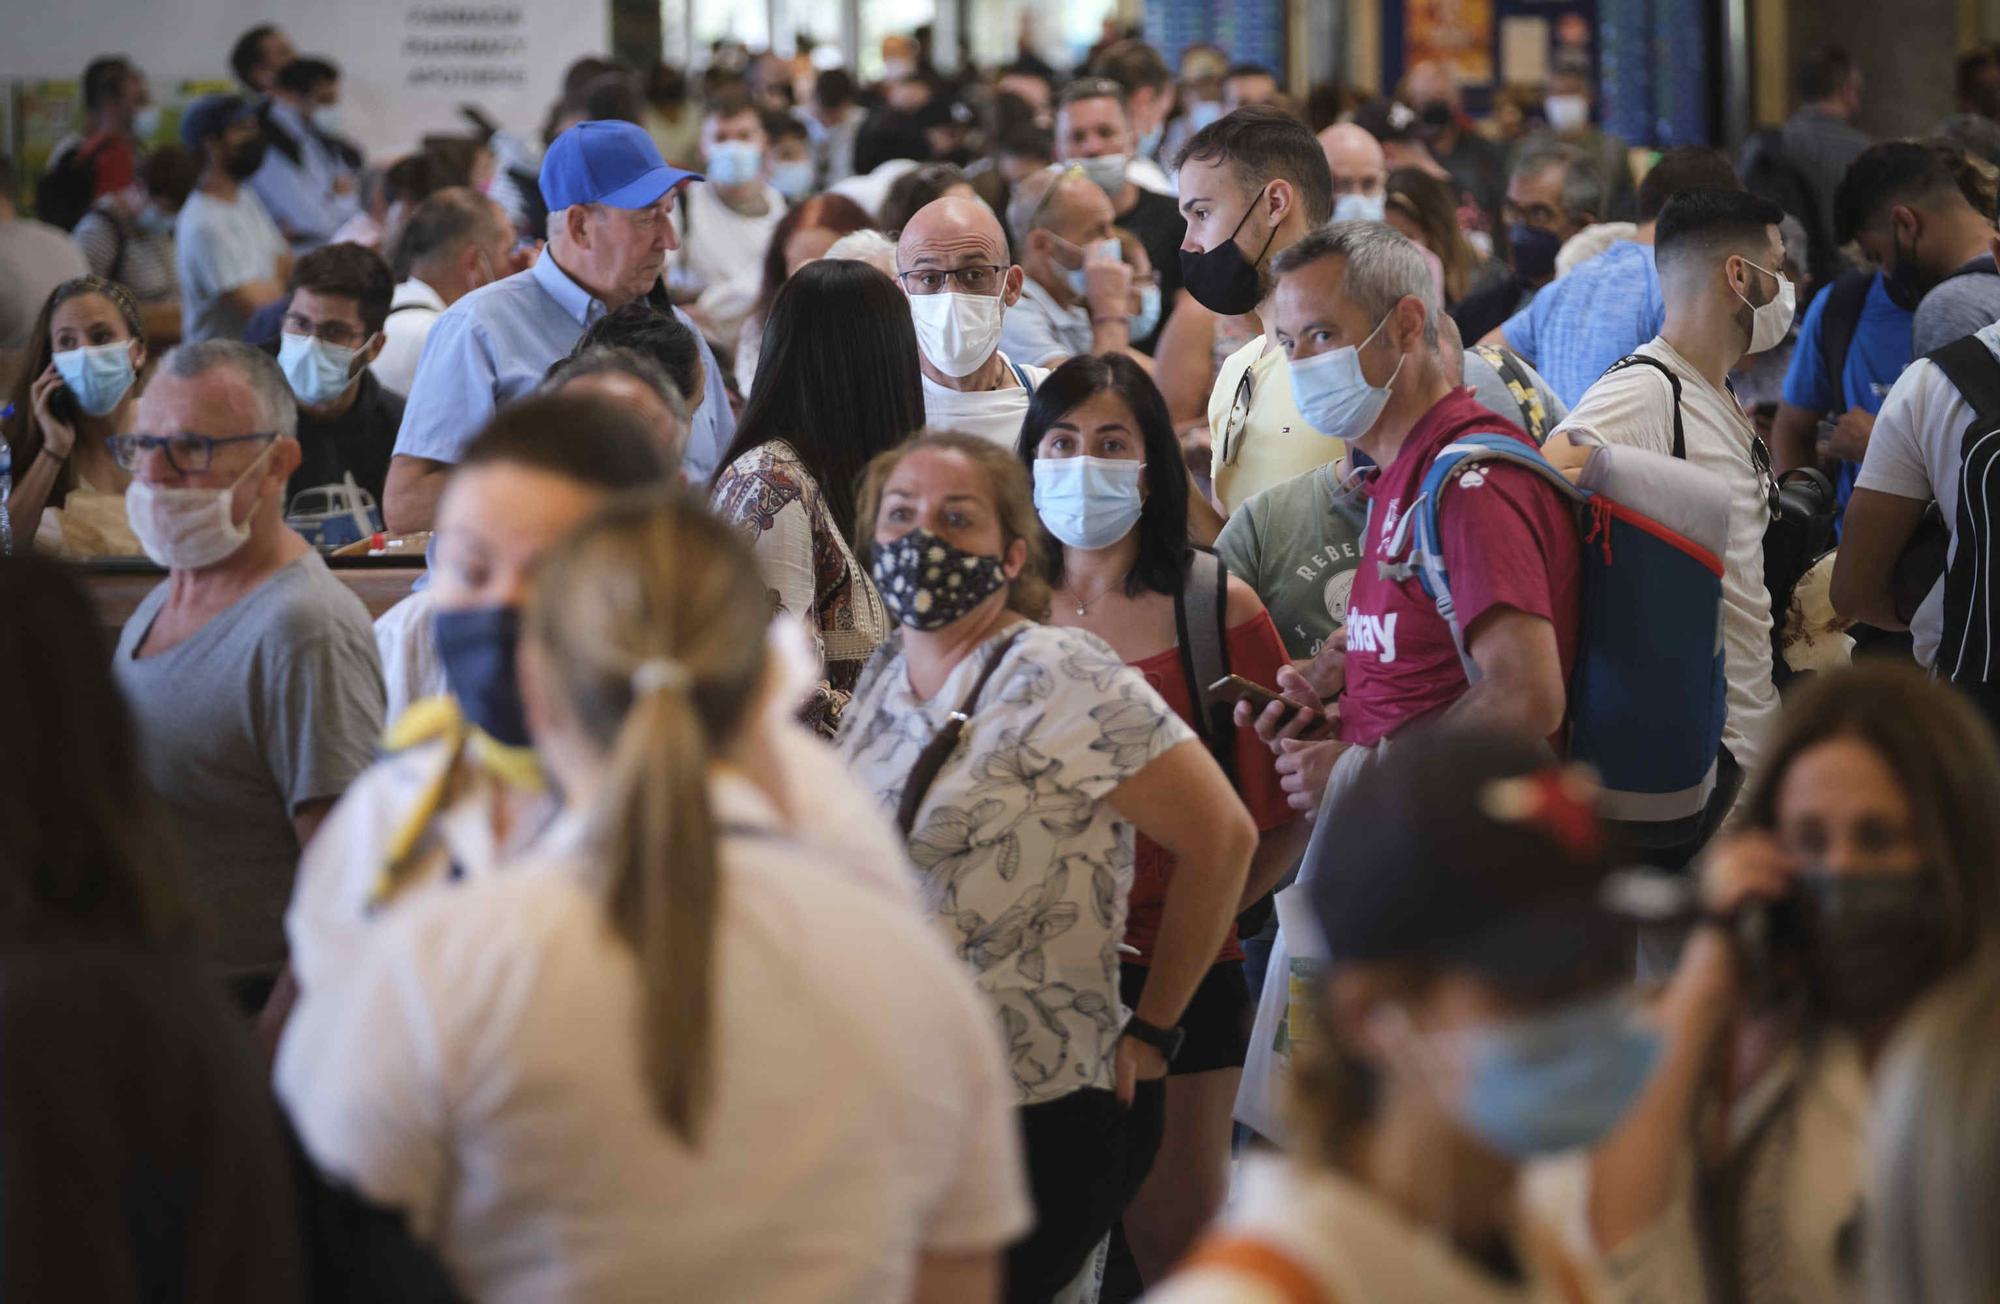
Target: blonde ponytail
(653, 620)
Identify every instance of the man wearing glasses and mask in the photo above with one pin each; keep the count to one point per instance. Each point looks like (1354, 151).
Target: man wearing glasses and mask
(610, 199)
(953, 264)
(332, 331)
(251, 671)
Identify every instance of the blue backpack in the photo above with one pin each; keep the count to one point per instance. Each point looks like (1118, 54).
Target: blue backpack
(1646, 699)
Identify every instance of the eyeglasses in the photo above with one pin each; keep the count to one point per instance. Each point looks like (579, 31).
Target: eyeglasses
(1239, 416)
(337, 333)
(1767, 480)
(187, 453)
(979, 278)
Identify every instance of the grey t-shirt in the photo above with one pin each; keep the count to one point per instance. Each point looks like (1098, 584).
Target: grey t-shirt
(1299, 550)
(275, 702)
(1955, 308)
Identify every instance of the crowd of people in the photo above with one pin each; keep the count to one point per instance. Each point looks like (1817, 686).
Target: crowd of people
(1024, 687)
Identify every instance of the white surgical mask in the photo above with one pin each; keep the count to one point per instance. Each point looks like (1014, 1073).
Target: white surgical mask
(1567, 112)
(897, 69)
(1770, 321)
(1148, 315)
(1107, 171)
(1333, 395)
(793, 179)
(98, 376)
(186, 528)
(146, 122)
(1088, 502)
(957, 332)
(734, 162)
(326, 119)
(1357, 207)
(318, 372)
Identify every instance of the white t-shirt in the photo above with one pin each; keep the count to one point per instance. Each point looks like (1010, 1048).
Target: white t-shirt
(1914, 452)
(994, 414)
(481, 1073)
(406, 641)
(722, 255)
(411, 314)
(219, 245)
(1635, 408)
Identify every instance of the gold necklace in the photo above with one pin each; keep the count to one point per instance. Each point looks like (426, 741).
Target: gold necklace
(1082, 606)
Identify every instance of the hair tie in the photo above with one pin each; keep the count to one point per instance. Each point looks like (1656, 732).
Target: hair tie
(658, 673)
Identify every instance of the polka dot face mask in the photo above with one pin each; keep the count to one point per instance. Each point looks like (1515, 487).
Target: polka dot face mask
(927, 583)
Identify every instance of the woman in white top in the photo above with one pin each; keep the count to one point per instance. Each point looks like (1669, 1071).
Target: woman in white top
(79, 387)
(1021, 819)
(1465, 1014)
(1865, 867)
(838, 384)
(670, 1057)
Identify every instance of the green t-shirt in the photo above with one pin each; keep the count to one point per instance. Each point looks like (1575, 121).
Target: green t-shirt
(1299, 550)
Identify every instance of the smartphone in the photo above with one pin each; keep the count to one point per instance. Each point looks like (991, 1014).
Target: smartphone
(1235, 688)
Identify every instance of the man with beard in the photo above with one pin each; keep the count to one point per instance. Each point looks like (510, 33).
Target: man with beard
(230, 257)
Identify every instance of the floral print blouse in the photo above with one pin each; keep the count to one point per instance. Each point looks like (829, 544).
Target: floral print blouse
(812, 572)
(1025, 865)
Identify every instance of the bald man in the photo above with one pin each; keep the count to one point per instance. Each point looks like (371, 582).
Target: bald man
(1360, 173)
(953, 264)
(1078, 296)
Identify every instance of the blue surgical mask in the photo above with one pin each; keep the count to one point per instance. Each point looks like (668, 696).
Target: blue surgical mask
(1078, 277)
(1149, 143)
(326, 119)
(1558, 1081)
(1148, 316)
(479, 649)
(734, 162)
(154, 221)
(1202, 113)
(318, 372)
(1088, 502)
(1355, 207)
(793, 179)
(146, 122)
(99, 376)
(1333, 395)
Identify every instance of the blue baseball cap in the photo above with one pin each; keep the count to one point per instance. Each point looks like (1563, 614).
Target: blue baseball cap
(607, 162)
(210, 116)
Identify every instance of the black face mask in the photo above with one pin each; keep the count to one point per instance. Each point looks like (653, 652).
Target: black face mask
(243, 161)
(927, 582)
(1908, 283)
(1435, 115)
(1876, 943)
(478, 649)
(1221, 279)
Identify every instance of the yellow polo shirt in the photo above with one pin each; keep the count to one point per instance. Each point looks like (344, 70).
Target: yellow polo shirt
(1265, 442)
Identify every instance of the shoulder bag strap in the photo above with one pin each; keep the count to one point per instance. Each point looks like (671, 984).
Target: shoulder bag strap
(1200, 623)
(1641, 360)
(930, 761)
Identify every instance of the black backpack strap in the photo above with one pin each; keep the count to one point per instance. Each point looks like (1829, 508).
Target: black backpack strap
(1966, 653)
(1837, 323)
(1201, 617)
(931, 760)
(1641, 360)
(1975, 373)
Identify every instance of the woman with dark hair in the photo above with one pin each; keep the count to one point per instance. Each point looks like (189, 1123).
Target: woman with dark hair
(804, 234)
(1424, 208)
(839, 384)
(140, 1156)
(80, 387)
(1111, 490)
(1862, 871)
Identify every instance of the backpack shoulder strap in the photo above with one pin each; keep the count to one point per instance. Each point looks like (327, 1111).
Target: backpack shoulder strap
(1021, 374)
(1975, 373)
(1844, 301)
(1201, 610)
(1674, 382)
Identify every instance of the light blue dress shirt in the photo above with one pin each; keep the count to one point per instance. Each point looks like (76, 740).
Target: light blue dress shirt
(1577, 326)
(299, 196)
(492, 347)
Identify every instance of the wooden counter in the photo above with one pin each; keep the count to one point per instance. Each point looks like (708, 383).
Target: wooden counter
(118, 586)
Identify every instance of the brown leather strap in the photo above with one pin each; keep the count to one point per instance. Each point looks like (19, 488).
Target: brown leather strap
(1249, 1256)
(930, 761)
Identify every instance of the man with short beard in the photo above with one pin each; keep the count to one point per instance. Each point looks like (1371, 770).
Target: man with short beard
(230, 257)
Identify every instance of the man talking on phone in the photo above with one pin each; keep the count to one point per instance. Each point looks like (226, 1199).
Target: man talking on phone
(1356, 312)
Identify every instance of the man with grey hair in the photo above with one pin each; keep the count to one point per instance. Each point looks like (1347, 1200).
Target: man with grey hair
(454, 242)
(1077, 294)
(251, 670)
(1357, 313)
(1553, 193)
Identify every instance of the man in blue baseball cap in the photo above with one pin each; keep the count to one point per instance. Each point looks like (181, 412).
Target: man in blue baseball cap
(610, 196)
(230, 257)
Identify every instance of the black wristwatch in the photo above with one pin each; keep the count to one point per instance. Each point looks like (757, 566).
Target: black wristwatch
(1167, 1041)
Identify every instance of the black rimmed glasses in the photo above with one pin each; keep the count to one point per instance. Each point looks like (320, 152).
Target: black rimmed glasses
(977, 278)
(187, 453)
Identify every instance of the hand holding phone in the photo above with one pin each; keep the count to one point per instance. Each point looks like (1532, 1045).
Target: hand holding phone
(1274, 715)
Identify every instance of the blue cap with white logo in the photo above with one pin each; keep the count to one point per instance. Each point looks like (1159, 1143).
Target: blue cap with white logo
(607, 162)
